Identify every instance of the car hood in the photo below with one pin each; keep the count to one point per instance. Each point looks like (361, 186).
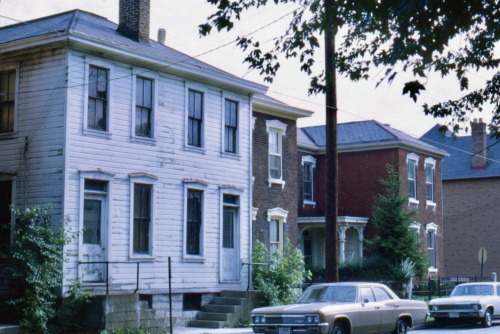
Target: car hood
(458, 300)
(305, 308)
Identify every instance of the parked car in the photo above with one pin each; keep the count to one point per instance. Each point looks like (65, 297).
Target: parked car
(341, 308)
(468, 301)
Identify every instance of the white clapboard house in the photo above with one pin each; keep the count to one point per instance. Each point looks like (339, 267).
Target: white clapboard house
(145, 150)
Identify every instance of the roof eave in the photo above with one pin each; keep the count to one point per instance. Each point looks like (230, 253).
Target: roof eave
(377, 146)
(174, 66)
(264, 105)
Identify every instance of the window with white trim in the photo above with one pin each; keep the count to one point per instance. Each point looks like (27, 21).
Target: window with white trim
(97, 107)
(415, 228)
(412, 164)
(276, 218)
(276, 131)
(7, 101)
(308, 165)
(431, 239)
(231, 126)
(194, 221)
(195, 118)
(144, 107)
(142, 214)
(430, 166)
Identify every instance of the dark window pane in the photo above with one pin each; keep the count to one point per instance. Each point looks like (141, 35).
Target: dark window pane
(7, 100)
(194, 222)
(142, 218)
(5, 214)
(228, 228)
(195, 118)
(92, 221)
(97, 99)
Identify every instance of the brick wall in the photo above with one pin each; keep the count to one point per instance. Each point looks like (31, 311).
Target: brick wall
(359, 176)
(268, 197)
(471, 221)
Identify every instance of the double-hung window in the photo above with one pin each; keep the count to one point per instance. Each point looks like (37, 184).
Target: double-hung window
(276, 217)
(142, 208)
(97, 113)
(144, 107)
(231, 127)
(430, 166)
(276, 131)
(7, 101)
(195, 118)
(412, 164)
(431, 236)
(142, 218)
(308, 165)
(194, 222)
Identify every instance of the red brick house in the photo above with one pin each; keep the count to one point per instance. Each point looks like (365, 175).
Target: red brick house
(471, 180)
(365, 149)
(275, 179)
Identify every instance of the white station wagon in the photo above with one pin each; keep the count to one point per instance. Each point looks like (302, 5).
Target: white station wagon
(468, 301)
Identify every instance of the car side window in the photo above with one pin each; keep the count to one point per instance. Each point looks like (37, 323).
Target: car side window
(381, 295)
(367, 295)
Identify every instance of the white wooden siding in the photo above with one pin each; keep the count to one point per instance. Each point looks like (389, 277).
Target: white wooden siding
(170, 163)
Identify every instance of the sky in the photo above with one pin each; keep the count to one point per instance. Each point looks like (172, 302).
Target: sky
(357, 101)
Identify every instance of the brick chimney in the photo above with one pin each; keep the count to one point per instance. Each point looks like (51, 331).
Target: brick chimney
(162, 35)
(134, 19)
(478, 128)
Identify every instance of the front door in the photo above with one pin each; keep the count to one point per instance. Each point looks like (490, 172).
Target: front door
(93, 252)
(230, 244)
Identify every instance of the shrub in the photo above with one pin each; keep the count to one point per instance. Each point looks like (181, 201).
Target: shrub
(35, 262)
(279, 282)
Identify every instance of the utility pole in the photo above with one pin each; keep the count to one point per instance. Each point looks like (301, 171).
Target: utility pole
(331, 244)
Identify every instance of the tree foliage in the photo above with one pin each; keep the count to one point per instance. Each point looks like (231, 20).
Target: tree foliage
(279, 282)
(395, 241)
(36, 262)
(413, 36)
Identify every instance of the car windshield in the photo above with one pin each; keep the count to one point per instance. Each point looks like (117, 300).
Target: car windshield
(473, 290)
(335, 294)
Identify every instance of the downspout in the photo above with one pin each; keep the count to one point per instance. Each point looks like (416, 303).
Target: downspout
(250, 191)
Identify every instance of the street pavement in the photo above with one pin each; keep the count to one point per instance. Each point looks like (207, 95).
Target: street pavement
(195, 330)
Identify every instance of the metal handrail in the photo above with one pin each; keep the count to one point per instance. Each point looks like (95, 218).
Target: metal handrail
(107, 271)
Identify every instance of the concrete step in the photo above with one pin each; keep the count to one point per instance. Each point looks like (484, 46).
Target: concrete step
(221, 308)
(227, 301)
(213, 316)
(234, 294)
(206, 324)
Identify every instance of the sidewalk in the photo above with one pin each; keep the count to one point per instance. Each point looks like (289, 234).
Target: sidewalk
(196, 330)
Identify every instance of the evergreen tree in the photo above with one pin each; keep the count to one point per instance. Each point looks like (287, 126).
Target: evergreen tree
(395, 241)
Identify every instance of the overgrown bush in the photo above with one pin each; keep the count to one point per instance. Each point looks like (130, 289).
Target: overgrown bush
(279, 282)
(35, 263)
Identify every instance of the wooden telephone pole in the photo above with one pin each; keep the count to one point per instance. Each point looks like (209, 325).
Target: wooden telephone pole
(331, 244)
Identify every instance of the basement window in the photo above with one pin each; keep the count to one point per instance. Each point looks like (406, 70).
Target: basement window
(148, 299)
(191, 302)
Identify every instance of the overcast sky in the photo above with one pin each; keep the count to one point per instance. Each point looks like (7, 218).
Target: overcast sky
(356, 101)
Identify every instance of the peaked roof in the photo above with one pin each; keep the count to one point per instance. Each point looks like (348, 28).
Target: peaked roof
(362, 136)
(458, 165)
(96, 31)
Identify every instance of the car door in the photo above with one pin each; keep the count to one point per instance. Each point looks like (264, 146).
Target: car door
(389, 309)
(370, 315)
(496, 300)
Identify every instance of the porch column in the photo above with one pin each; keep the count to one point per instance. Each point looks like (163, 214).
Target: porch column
(361, 239)
(342, 230)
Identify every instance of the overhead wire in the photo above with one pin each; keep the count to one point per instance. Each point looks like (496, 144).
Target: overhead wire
(204, 53)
